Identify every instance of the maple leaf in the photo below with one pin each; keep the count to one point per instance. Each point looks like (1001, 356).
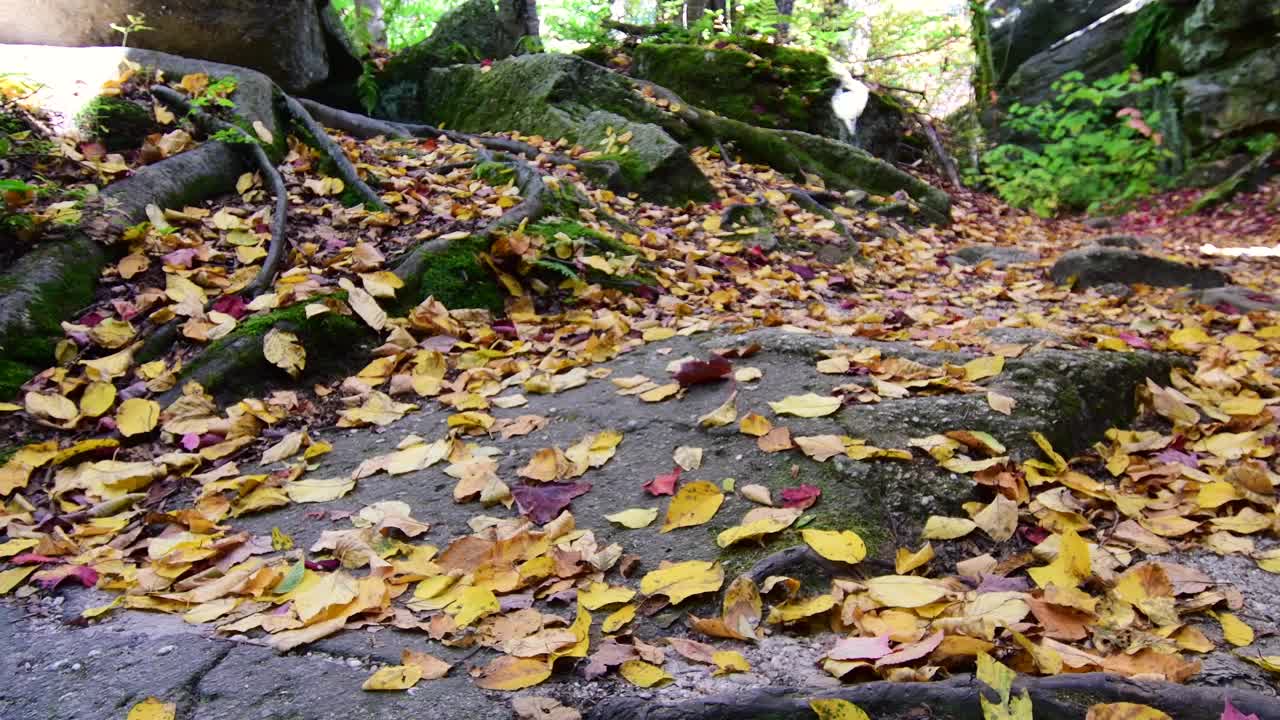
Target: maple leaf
(542, 503)
(800, 497)
(698, 372)
(663, 484)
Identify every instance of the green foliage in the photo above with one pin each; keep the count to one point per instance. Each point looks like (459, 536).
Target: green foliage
(216, 94)
(1149, 28)
(234, 136)
(1096, 149)
(367, 88)
(133, 24)
(117, 123)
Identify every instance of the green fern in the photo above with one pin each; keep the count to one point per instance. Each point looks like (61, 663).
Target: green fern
(557, 267)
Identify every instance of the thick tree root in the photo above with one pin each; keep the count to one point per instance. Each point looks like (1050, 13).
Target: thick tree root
(807, 201)
(1064, 697)
(346, 170)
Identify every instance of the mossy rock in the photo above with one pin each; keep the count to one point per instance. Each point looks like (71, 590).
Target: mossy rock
(468, 33)
(449, 271)
(42, 289)
(235, 367)
(651, 163)
(117, 123)
(750, 81)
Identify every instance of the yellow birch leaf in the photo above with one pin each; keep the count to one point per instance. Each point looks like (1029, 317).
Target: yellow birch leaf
(756, 529)
(808, 405)
(472, 604)
(50, 406)
(634, 518)
(314, 490)
(906, 560)
(598, 595)
(729, 662)
(723, 415)
(153, 709)
(393, 677)
(619, 618)
(694, 504)
(938, 527)
(660, 393)
(1001, 403)
(13, 577)
(1070, 567)
(904, 591)
(1234, 629)
(643, 674)
(97, 398)
(137, 416)
(755, 425)
(800, 609)
(983, 367)
(1000, 678)
(681, 580)
(842, 546)
(1125, 711)
(999, 519)
(513, 673)
(836, 709)
(365, 306)
(281, 348)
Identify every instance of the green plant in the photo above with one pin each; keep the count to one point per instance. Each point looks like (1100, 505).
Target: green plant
(216, 93)
(135, 23)
(1092, 147)
(235, 136)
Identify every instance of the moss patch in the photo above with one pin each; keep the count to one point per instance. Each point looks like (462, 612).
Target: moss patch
(117, 123)
(13, 375)
(457, 278)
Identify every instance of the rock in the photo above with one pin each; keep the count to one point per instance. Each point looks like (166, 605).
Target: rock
(1234, 298)
(1020, 29)
(1217, 31)
(468, 33)
(284, 39)
(1132, 242)
(1093, 266)
(654, 164)
(999, 256)
(1232, 100)
(1096, 53)
(43, 288)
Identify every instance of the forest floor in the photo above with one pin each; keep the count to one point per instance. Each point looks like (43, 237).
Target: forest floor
(589, 498)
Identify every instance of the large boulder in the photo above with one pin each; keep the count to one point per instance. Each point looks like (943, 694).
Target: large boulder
(1020, 29)
(1096, 53)
(1234, 100)
(469, 33)
(284, 39)
(1101, 265)
(1217, 31)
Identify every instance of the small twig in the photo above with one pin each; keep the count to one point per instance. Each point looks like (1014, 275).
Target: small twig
(346, 170)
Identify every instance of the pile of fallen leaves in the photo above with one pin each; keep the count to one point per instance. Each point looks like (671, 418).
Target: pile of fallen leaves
(118, 492)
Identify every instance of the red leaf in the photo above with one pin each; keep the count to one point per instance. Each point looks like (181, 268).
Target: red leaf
(52, 578)
(1231, 713)
(664, 484)
(232, 305)
(913, 651)
(33, 559)
(697, 372)
(542, 503)
(800, 497)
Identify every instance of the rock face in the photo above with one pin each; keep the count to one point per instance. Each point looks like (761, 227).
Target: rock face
(1101, 265)
(284, 38)
(469, 33)
(1224, 53)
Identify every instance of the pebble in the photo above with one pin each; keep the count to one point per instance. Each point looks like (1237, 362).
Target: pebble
(354, 662)
(166, 650)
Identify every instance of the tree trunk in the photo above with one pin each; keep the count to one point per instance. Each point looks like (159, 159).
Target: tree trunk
(520, 18)
(369, 13)
(693, 11)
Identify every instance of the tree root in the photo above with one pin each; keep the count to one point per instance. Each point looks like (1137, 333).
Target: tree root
(1064, 697)
(279, 219)
(809, 202)
(802, 560)
(346, 170)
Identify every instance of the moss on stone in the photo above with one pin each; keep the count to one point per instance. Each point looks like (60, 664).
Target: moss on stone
(494, 173)
(13, 375)
(457, 277)
(117, 123)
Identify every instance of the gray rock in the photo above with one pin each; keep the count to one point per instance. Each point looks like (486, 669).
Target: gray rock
(468, 33)
(998, 255)
(1232, 100)
(284, 39)
(1097, 52)
(1020, 29)
(1240, 299)
(1132, 242)
(653, 163)
(1094, 266)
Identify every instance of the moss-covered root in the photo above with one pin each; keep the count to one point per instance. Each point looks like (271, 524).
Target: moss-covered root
(117, 123)
(345, 169)
(451, 272)
(235, 366)
(43, 288)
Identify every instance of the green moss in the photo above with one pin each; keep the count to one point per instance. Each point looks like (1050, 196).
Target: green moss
(457, 278)
(494, 173)
(1151, 27)
(13, 375)
(117, 123)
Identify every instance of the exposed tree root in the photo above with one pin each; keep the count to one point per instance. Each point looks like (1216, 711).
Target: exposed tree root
(1064, 697)
(809, 202)
(346, 170)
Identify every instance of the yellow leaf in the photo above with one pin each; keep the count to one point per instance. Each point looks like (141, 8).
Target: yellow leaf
(112, 334)
(50, 406)
(598, 595)
(723, 415)
(904, 591)
(281, 348)
(655, 334)
(321, 591)
(757, 528)
(660, 393)
(938, 527)
(472, 604)
(634, 518)
(999, 519)
(728, 662)
(842, 546)
(1002, 404)
(821, 447)
(17, 545)
(694, 504)
(808, 405)
(755, 425)
(314, 490)
(837, 709)
(681, 580)
(513, 673)
(393, 677)
(1070, 567)
(183, 291)
(97, 398)
(800, 609)
(984, 367)
(1270, 663)
(137, 416)
(1125, 711)
(153, 709)
(162, 114)
(1235, 630)
(365, 306)
(1000, 678)
(13, 577)
(194, 84)
(906, 560)
(643, 674)
(619, 618)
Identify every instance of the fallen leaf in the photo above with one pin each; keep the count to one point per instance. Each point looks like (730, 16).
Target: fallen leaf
(694, 504)
(808, 405)
(841, 546)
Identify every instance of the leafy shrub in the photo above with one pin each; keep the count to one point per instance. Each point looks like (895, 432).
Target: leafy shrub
(1092, 147)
